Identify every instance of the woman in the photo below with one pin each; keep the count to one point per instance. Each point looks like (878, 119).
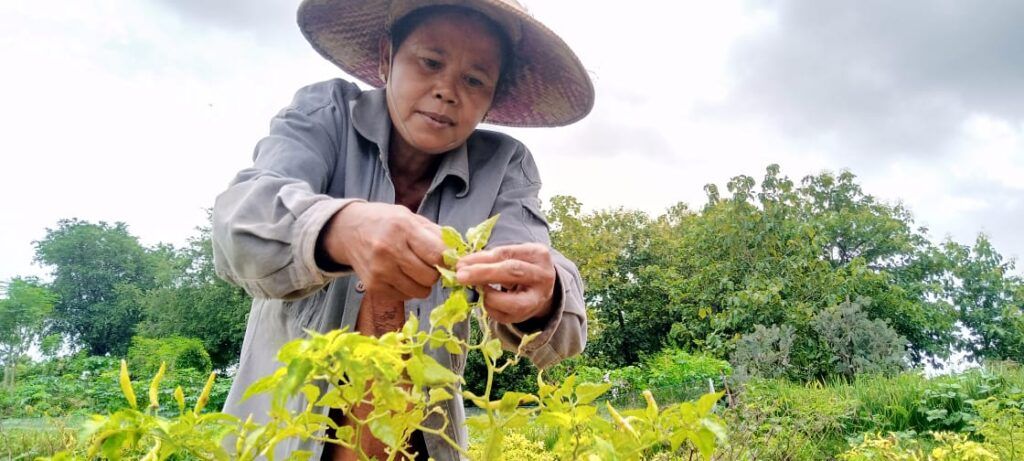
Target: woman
(337, 222)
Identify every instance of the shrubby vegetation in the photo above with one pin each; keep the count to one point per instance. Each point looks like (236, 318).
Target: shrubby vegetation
(81, 385)
(817, 293)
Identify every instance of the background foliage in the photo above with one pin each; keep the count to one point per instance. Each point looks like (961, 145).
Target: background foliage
(792, 287)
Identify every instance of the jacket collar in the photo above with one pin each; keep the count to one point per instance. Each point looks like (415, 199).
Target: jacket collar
(371, 120)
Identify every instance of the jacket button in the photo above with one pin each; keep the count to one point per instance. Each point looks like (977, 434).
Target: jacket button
(360, 287)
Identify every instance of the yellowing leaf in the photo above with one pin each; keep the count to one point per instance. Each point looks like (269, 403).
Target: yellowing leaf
(439, 394)
(452, 238)
(623, 424)
(527, 339)
(204, 396)
(448, 279)
(588, 392)
(154, 387)
(454, 310)
(126, 385)
(555, 418)
(707, 402)
(652, 406)
(179, 396)
(493, 349)
(385, 430)
(479, 235)
(425, 371)
(451, 257)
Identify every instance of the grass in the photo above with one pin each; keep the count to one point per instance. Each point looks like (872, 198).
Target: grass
(31, 438)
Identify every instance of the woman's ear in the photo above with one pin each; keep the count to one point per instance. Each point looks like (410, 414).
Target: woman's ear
(384, 65)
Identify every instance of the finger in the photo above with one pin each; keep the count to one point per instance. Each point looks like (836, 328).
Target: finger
(511, 307)
(425, 242)
(509, 272)
(533, 252)
(395, 279)
(417, 269)
(409, 287)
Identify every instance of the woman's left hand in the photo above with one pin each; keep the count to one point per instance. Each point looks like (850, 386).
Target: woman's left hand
(525, 273)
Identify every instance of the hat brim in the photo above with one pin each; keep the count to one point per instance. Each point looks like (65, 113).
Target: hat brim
(550, 87)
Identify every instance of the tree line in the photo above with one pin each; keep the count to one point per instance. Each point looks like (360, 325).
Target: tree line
(806, 280)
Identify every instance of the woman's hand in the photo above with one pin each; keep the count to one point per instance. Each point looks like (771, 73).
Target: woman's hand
(525, 273)
(391, 249)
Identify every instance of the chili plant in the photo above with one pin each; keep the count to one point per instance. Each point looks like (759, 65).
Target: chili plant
(402, 384)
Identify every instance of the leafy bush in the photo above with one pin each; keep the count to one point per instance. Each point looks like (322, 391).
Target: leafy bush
(949, 447)
(517, 447)
(765, 352)
(1001, 424)
(83, 384)
(778, 419)
(146, 354)
(858, 344)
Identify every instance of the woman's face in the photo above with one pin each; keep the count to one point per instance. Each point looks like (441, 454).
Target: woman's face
(441, 81)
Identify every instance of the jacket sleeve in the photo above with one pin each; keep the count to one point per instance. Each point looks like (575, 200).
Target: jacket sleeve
(266, 224)
(521, 221)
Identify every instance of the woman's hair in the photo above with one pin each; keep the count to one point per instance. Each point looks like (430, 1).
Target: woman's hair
(405, 25)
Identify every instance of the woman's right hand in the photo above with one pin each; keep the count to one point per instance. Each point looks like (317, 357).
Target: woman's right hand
(391, 249)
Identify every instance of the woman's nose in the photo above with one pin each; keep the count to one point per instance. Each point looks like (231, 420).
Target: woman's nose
(445, 96)
(444, 89)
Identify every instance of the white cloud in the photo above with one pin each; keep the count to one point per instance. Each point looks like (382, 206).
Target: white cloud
(142, 112)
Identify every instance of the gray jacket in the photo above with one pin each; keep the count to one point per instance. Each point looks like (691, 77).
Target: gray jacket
(324, 151)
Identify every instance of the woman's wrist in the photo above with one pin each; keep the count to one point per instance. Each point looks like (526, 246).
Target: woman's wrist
(329, 255)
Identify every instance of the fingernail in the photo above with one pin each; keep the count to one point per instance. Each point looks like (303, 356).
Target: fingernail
(462, 274)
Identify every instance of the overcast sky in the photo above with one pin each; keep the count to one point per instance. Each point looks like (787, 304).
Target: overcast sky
(142, 110)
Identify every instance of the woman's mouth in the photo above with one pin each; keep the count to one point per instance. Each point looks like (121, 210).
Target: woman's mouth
(438, 119)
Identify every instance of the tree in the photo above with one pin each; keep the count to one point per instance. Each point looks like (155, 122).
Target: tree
(22, 317)
(617, 255)
(193, 291)
(97, 271)
(774, 255)
(989, 300)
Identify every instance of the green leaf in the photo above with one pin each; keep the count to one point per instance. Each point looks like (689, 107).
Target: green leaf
(439, 394)
(556, 419)
(588, 392)
(425, 371)
(479, 235)
(478, 422)
(455, 309)
(385, 429)
(264, 384)
(452, 238)
(704, 440)
(298, 369)
(492, 350)
(411, 326)
(707, 402)
(510, 400)
(448, 279)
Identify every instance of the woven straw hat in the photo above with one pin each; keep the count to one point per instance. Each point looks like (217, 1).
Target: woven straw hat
(549, 86)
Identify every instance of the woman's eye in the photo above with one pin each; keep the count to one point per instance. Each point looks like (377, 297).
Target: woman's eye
(431, 63)
(474, 82)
